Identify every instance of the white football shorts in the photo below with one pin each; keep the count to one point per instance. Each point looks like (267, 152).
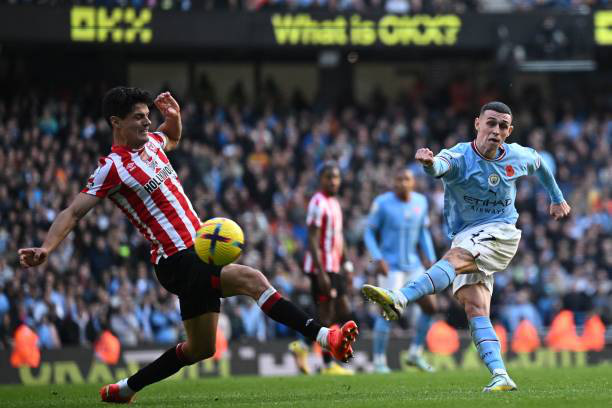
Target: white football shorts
(493, 245)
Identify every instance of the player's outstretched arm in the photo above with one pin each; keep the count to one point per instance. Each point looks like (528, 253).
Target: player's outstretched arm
(61, 227)
(172, 126)
(559, 207)
(433, 166)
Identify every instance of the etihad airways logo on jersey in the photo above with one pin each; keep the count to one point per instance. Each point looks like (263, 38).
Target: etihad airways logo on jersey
(487, 205)
(159, 178)
(487, 202)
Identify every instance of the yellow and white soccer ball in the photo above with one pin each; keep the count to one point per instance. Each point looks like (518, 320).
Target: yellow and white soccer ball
(219, 241)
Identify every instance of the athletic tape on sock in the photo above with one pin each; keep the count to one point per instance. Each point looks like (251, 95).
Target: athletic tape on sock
(268, 299)
(265, 296)
(322, 337)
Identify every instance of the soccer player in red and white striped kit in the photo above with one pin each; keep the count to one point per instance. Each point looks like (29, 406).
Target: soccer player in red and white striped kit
(330, 278)
(138, 178)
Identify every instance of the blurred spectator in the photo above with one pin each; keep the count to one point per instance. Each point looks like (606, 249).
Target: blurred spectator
(253, 319)
(391, 6)
(519, 309)
(165, 321)
(125, 324)
(47, 334)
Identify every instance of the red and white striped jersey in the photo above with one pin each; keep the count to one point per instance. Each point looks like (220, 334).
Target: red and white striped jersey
(325, 212)
(143, 184)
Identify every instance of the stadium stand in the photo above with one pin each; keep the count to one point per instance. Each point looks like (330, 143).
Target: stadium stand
(255, 163)
(389, 6)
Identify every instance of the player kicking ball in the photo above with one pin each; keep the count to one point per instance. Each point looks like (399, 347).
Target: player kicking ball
(138, 178)
(479, 192)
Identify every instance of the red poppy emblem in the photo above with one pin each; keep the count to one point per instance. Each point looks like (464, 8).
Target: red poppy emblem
(509, 171)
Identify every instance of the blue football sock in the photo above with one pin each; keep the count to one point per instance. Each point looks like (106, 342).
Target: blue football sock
(487, 343)
(435, 280)
(381, 336)
(423, 325)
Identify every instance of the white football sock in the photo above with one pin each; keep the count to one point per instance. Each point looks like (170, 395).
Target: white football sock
(124, 389)
(265, 296)
(322, 337)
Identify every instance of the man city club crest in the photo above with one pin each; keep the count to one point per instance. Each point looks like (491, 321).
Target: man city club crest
(493, 179)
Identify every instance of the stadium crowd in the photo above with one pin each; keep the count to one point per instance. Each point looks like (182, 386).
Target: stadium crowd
(390, 6)
(257, 167)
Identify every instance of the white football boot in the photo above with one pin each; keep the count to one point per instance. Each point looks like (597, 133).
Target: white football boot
(500, 382)
(393, 302)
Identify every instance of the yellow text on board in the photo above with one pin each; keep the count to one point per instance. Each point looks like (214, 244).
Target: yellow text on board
(389, 30)
(117, 25)
(603, 27)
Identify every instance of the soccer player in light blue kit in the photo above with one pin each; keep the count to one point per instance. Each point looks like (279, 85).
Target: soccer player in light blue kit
(400, 219)
(479, 191)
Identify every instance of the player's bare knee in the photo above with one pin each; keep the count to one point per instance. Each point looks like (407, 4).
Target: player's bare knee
(462, 260)
(243, 280)
(257, 282)
(474, 308)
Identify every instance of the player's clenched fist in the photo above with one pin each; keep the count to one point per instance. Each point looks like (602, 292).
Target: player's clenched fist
(425, 156)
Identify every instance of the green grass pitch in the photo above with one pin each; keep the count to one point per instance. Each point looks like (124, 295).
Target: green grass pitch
(563, 387)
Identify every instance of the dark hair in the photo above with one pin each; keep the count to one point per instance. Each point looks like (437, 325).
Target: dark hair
(325, 166)
(120, 101)
(497, 107)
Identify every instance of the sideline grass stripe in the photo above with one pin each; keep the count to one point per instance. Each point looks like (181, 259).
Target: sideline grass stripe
(541, 388)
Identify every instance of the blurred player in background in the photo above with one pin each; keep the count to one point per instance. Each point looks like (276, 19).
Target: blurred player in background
(479, 192)
(329, 276)
(138, 178)
(400, 219)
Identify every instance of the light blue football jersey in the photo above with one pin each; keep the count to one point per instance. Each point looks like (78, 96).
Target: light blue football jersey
(480, 191)
(400, 225)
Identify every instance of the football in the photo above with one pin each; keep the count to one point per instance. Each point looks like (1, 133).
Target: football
(219, 241)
